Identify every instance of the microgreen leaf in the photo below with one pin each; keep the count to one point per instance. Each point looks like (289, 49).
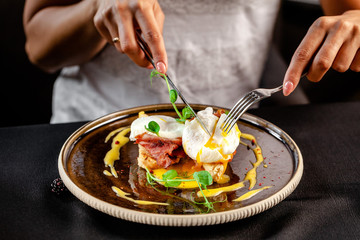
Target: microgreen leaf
(152, 75)
(187, 113)
(173, 183)
(153, 127)
(155, 73)
(173, 96)
(172, 93)
(170, 179)
(204, 178)
(171, 174)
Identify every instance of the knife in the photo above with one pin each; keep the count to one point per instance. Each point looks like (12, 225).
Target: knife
(145, 48)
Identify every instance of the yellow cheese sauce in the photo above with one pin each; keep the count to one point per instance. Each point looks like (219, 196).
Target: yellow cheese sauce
(114, 153)
(107, 173)
(251, 174)
(216, 191)
(123, 194)
(250, 194)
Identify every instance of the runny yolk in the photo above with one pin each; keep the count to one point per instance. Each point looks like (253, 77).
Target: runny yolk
(186, 168)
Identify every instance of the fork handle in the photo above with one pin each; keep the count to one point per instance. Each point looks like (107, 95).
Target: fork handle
(277, 89)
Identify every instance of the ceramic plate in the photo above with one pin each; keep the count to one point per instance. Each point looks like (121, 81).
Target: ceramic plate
(81, 166)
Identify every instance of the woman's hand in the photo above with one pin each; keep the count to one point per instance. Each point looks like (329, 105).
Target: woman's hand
(120, 18)
(331, 42)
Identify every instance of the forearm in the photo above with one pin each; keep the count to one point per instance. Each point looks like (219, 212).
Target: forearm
(59, 36)
(337, 7)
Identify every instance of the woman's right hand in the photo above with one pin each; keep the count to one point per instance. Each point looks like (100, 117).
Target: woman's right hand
(120, 18)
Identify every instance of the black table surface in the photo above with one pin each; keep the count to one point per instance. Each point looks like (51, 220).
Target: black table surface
(325, 205)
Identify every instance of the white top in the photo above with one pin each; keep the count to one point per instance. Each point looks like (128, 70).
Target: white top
(216, 53)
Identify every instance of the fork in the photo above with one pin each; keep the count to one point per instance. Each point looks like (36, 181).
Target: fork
(244, 103)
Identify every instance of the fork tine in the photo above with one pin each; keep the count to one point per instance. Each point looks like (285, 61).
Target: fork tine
(241, 112)
(234, 120)
(233, 111)
(231, 119)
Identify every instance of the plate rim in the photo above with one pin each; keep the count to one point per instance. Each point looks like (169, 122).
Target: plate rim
(174, 219)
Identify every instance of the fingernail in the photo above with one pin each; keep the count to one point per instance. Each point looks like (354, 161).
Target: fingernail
(160, 66)
(288, 88)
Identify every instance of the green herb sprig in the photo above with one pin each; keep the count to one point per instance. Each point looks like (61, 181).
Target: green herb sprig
(204, 180)
(173, 95)
(153, 127)
(166, 193)
(170, 179)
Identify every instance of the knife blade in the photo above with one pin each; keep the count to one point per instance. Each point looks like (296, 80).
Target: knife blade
(145, 48)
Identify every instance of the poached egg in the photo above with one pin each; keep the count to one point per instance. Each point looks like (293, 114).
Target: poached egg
(218, 148)
(169, 127)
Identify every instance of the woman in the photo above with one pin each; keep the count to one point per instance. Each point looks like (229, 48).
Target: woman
(215, 50)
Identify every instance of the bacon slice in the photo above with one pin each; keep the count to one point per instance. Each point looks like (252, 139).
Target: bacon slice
(219, 112)
(165, 151)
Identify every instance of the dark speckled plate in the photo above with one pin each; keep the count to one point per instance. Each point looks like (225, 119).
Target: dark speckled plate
(81, 167)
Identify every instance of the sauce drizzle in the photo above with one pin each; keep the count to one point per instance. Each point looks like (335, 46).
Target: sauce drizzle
(123, 194)
(251, 174)
(114, 153)
(216, 191)
(250, 194)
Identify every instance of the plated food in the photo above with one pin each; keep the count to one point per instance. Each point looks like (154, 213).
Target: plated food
(189, 142)
(184, 156)
(126, 190)
(183, 163)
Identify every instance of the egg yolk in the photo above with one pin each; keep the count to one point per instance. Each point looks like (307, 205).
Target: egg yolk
(212, 145)
(186, 169)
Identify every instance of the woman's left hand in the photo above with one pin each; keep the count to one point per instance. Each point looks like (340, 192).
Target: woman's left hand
(331, 42)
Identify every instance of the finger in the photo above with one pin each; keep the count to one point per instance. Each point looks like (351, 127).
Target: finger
(159, 17)
(127, 37)
(325, 57)
(113, 33)
(101, 28)
(303, 55)
(108, 25)
(153, 37)
(345, 56)
(355, 65)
